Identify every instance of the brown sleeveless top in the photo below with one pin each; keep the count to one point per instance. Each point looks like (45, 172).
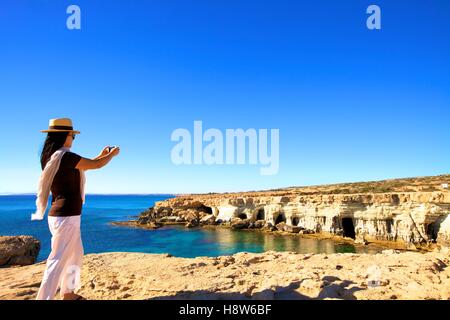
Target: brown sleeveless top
(66, 193)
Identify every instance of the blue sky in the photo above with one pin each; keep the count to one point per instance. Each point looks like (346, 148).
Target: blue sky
(351, 104)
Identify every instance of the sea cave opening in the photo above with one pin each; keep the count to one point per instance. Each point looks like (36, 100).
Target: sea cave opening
(348, 228)
(389, 225)
(295, 221)
(206, 209)
(242, 216)
(432, 232)
(395, 199)
(281, 218)
(260, 215)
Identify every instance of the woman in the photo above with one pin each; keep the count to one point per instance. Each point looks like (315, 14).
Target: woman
(63, 175)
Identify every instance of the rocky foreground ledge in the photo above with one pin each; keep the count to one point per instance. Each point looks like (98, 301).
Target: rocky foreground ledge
(270, 275)
(18, 250)
(407, 213)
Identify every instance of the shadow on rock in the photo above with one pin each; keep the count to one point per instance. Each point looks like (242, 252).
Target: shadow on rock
(330, 290)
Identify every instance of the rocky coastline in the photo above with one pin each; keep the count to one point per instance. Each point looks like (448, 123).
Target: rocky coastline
(410, 214)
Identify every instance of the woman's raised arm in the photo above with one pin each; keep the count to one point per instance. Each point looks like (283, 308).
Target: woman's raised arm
(98, 162)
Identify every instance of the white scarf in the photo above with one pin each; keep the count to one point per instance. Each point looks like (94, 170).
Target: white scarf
(46, 181)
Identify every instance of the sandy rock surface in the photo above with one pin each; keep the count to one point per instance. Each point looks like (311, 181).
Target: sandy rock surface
(270, 275)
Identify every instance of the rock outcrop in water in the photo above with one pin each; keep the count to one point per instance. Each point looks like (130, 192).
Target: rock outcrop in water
(410, 211)
(18, 250)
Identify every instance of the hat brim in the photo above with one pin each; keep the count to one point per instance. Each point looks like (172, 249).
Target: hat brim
(56, 130)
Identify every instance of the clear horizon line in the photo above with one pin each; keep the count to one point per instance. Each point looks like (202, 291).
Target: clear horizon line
(248, 190)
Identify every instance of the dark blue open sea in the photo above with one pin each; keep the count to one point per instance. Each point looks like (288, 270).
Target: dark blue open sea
(99, 235)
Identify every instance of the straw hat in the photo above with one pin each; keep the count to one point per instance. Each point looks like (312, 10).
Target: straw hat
(60, 125)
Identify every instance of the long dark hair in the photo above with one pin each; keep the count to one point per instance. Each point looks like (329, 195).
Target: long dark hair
(53, 142)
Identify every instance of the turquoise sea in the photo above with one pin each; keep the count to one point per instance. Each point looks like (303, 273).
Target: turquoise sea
(99, 235)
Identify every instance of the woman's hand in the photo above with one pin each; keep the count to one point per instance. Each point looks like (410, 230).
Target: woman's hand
(104, 152)
(115, 151)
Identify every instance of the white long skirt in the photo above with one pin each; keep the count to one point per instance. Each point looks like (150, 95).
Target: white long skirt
(64, 262)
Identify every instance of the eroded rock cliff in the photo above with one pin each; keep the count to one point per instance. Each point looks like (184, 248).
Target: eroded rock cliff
(405, 213)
